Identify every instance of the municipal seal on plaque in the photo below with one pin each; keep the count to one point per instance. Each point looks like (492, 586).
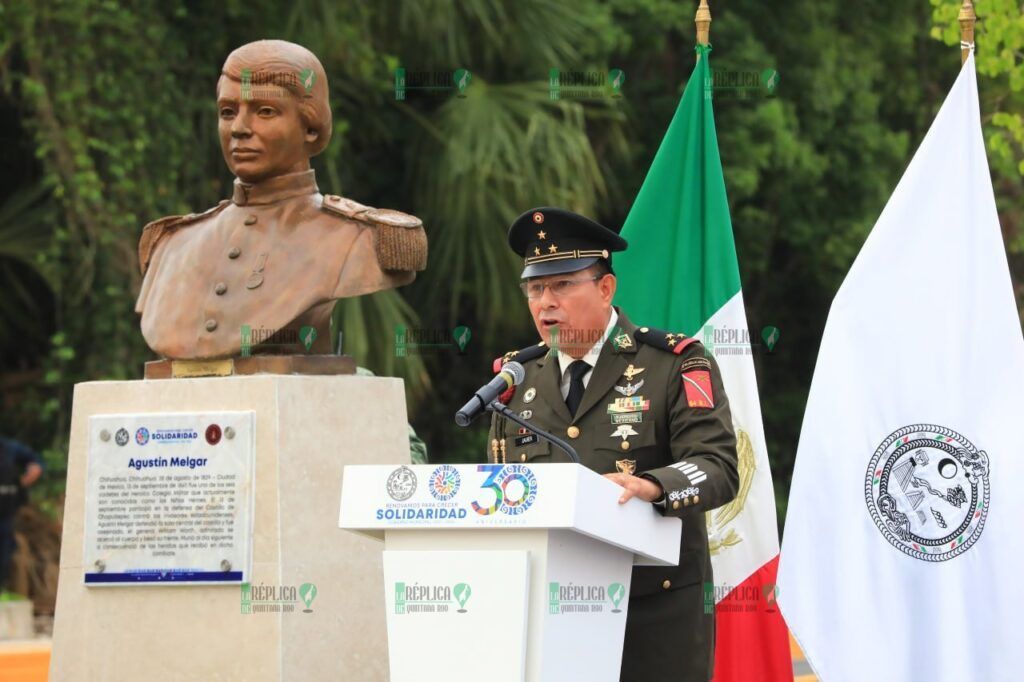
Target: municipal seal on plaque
(121, 437)
(927, 491)
(401, 484)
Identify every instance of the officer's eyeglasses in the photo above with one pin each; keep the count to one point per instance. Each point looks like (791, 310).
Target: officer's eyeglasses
(558, 287)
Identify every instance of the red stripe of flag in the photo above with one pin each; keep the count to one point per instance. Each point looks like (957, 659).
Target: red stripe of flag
(752, 644)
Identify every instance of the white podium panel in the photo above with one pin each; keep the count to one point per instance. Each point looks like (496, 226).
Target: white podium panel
(586, 593)
(440, 607)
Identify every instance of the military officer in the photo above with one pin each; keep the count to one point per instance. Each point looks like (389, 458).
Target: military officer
(276, 255)
(642, 406)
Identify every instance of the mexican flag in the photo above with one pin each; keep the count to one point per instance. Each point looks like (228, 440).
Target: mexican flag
(903, 547)
(680, 273)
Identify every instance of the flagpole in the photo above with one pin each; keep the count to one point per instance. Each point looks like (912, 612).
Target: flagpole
(703, 22)
(966, 18)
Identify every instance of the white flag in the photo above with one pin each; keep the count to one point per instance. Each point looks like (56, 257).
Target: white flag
(903, 551)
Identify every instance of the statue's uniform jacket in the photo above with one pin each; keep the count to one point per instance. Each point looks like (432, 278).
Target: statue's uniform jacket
(684, 440)
(274, 257)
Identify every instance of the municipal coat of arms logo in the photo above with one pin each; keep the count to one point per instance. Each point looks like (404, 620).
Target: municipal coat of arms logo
(927, 490)
(401, 484)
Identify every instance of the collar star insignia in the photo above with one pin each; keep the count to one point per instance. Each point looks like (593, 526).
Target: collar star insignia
(542, 235)
(553, 248)
(536, 251)
(632, 372)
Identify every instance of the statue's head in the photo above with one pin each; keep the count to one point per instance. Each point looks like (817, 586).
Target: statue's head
(273, 109)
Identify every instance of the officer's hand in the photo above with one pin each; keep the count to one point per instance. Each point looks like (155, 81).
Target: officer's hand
(646, 490)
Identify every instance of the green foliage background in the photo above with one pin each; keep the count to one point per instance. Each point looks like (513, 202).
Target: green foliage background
(107, 121)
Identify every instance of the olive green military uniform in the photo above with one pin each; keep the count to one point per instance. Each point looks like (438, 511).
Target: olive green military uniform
(674, 428)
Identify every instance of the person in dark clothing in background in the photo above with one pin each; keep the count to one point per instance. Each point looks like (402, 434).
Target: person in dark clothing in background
(20, 467)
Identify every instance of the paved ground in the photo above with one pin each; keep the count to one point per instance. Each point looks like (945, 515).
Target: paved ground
(29, 661)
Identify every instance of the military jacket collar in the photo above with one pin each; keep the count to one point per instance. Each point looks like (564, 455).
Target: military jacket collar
(615, 356)
(274, 189)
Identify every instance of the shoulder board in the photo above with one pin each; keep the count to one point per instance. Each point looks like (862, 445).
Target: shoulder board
(399, 237)
(158, 229)
(525, 355)
(666, 341)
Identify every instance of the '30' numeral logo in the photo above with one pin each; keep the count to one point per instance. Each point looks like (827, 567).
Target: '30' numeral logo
(514, 487)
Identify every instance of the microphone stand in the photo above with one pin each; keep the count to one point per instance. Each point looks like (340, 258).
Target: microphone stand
(499, 407)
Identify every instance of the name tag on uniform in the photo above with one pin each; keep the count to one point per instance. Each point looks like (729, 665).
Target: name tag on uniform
(526, 440)
(628, 418)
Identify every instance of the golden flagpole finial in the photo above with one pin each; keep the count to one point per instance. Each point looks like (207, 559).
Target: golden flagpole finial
(966, 18)
(703, 21)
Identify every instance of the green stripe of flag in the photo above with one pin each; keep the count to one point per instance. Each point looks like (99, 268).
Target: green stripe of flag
(681, 265)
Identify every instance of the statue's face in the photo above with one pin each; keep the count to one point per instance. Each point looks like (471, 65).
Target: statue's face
(261, 137)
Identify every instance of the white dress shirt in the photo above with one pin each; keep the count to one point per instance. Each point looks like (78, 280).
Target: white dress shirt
(590, 357)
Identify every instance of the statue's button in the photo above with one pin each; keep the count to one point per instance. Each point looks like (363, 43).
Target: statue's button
(624, 445)
(675, 505)
(250, 219)
(522, 457)
(235, 252)
(220, 288)
(211, 325)
(667, 584)
(573, 431)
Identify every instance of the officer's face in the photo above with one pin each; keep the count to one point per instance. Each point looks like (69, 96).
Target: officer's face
(263, 136)
(580, 314)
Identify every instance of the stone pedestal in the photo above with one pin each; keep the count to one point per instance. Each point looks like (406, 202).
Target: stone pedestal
(307, 429)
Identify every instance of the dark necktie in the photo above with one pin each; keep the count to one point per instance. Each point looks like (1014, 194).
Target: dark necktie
(576, 371)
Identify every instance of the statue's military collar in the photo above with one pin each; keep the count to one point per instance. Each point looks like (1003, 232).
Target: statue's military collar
(274, 189)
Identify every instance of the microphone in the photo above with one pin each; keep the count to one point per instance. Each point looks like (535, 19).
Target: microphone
(511, 374)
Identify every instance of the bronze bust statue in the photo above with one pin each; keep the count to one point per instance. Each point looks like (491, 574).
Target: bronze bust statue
(278, 253)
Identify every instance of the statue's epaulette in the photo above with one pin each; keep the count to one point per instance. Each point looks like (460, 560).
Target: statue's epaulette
(399, 238)
(667, 341)
(525, 355)
(153, 232)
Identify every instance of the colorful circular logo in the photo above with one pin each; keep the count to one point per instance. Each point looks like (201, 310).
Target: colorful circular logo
(445, 482)
(927, 490)
(142, 435)
(213, 434)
